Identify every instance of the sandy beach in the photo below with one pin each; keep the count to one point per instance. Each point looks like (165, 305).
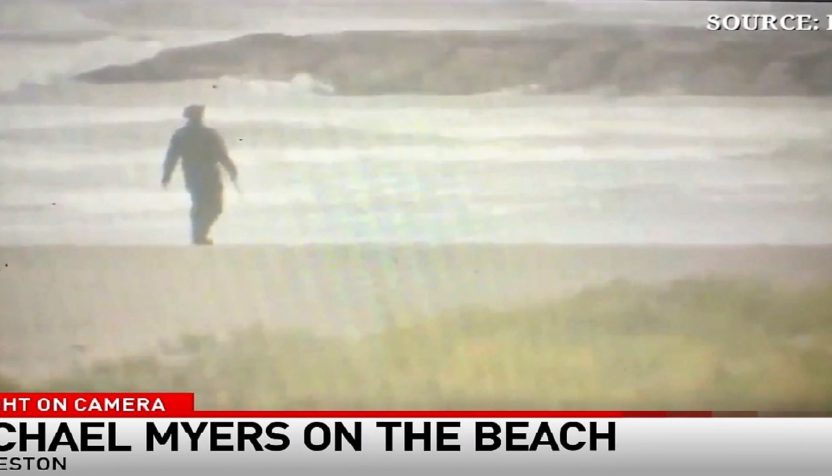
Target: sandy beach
(62, 307)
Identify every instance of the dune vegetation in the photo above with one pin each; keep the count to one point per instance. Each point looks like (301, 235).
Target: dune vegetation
(699, 344)
(7, 385)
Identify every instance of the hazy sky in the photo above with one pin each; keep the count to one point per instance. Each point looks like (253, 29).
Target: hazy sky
(220, 14)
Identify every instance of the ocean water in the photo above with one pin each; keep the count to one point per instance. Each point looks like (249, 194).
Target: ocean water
(491, 168)
(80, 163)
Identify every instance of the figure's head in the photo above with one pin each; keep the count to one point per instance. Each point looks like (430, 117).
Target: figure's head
(194, 113)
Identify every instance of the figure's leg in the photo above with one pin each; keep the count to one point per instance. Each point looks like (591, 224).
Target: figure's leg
(214, 208)
(206, 210)
(199, 226)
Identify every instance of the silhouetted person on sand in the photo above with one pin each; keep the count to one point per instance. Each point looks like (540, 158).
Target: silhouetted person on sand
(202, 151)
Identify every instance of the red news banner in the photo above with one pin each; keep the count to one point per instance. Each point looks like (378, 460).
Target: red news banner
(62, 431)
(182, 405)
(321, 430)
(96, 405)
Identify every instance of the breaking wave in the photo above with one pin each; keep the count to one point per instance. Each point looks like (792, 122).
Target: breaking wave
(226, 90)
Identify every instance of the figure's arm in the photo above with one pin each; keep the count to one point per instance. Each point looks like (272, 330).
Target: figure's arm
(171, 159)
(224, 159)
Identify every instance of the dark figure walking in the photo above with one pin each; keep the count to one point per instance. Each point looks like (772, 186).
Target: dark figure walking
(202, 151)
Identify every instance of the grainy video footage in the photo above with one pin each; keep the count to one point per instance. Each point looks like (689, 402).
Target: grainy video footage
(410, 204)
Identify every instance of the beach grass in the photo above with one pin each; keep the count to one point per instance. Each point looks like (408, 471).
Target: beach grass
(7, 384)
(692, 344)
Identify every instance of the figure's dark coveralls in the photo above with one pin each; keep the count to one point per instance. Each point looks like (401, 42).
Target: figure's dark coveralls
(202, 151)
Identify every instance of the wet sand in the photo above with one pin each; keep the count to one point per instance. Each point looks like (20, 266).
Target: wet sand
(65, 306)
